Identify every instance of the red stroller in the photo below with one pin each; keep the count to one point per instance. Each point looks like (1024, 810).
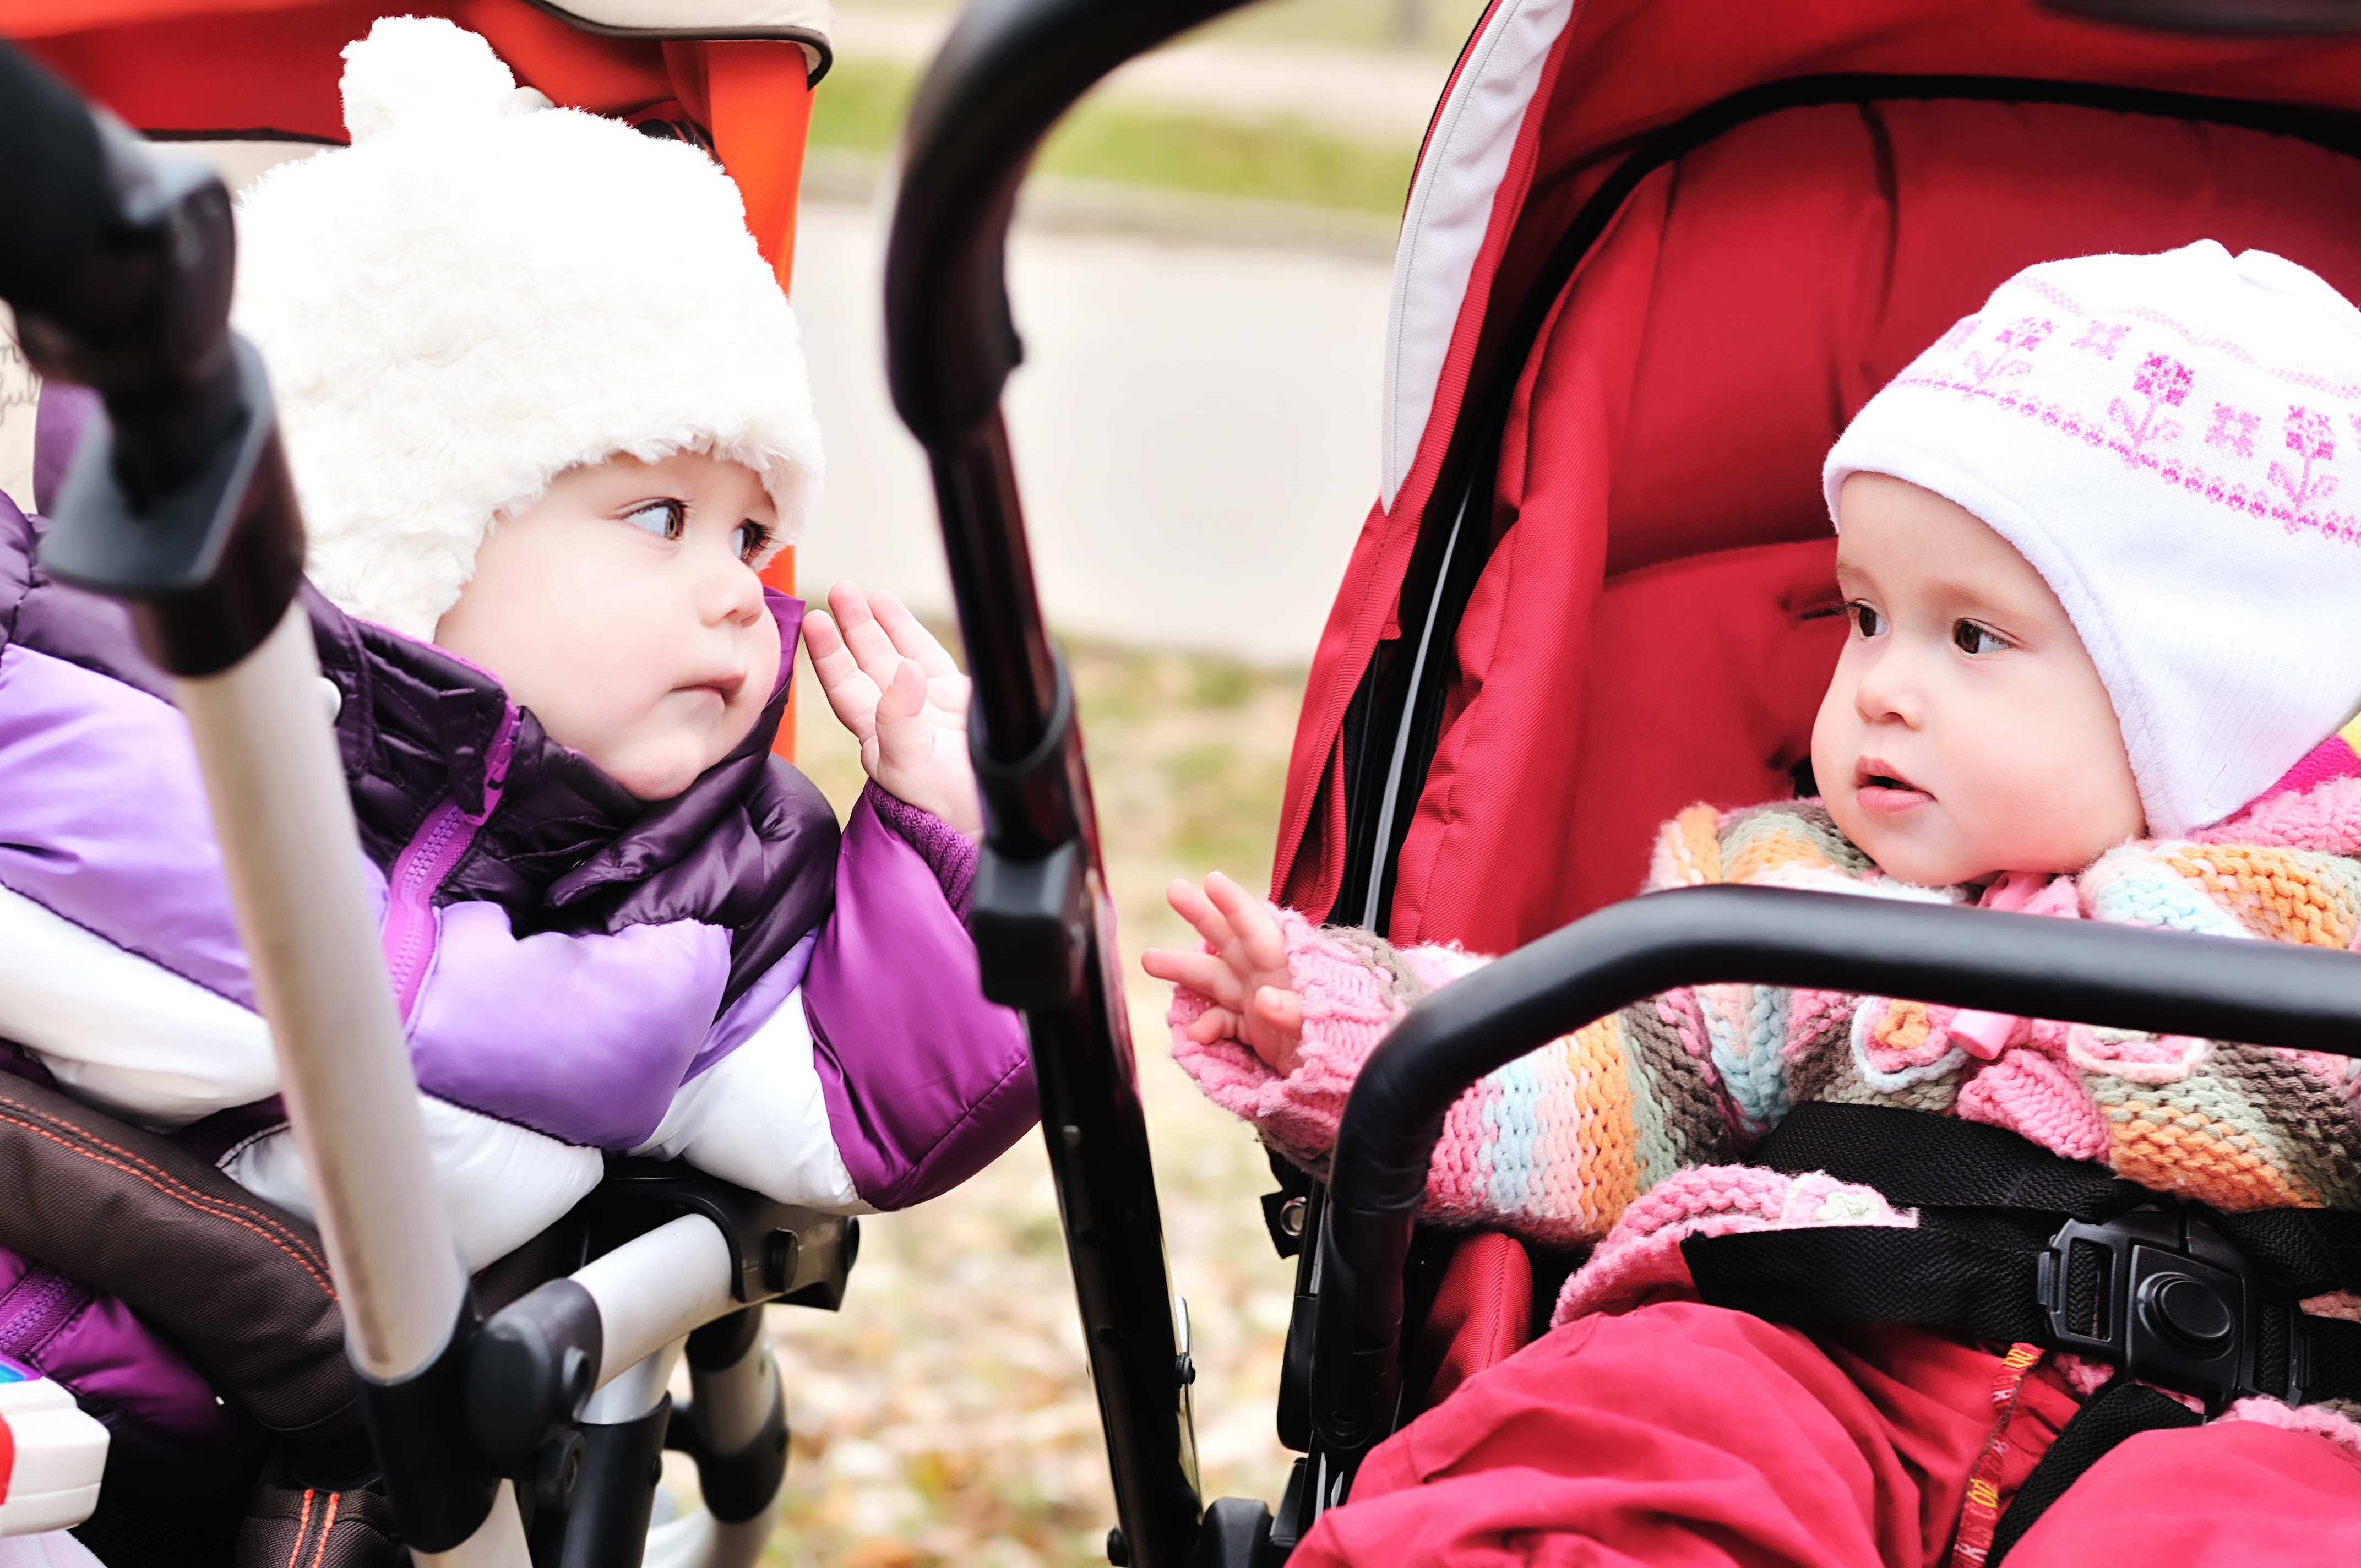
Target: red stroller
(1656, 256)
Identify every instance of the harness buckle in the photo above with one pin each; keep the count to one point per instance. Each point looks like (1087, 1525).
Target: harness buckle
(2161, 1293)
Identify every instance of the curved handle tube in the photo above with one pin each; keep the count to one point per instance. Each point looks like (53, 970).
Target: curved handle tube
(2076, 971)
(1043, 920)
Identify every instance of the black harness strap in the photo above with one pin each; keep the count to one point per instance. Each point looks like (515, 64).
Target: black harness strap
(1918, 1160)
(2121, 1410)
(2017, 1245)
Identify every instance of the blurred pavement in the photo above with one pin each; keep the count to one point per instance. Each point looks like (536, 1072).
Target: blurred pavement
(1195, 429)
(1385, 94)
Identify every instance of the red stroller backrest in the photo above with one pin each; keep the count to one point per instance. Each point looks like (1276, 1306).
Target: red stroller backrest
(1656, 620)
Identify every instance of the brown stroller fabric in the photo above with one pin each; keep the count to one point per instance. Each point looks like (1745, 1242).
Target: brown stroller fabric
(95, 1206)
(241, 1285)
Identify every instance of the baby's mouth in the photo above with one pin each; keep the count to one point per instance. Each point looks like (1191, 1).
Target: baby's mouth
(1879, 788)
(725, 687)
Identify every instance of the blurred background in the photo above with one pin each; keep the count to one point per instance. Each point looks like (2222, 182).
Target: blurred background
(1200, 271)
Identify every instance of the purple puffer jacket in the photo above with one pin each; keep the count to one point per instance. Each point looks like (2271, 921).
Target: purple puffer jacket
(721, 976)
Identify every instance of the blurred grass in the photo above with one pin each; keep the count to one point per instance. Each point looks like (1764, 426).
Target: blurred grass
(945, 1416)
(1435, 27)
(859, 108)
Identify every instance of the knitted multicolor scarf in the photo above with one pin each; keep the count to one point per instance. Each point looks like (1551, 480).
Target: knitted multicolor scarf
(1559, 1145)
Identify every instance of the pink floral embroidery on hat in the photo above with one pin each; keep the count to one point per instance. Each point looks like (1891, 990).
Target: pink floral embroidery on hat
(2164, 382)
(2017, 341)
(2311, 437)
(2233, 431)
(2103, 338)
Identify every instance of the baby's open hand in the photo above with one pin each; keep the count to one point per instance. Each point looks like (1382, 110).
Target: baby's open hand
(1245, 975)
(896, 689)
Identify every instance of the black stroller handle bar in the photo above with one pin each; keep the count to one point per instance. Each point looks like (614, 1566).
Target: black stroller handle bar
(2075, 971)
(1042, 922)
(123, 281)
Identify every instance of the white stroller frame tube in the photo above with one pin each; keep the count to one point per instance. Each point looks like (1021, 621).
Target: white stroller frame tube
(180, 503)
(294, 860)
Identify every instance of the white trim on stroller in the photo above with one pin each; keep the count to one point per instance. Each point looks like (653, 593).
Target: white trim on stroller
(1450, 211)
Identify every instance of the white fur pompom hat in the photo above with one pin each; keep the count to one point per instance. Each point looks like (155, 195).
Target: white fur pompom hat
(484, 291)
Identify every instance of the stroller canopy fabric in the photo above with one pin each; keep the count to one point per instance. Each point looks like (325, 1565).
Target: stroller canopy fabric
(269, 70)
(1655, 617)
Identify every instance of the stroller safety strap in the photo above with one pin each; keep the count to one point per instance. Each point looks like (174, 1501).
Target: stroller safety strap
(2016, 1245)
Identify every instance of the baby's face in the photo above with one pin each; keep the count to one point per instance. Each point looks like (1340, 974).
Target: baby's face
(623, 609)
(1966, 732)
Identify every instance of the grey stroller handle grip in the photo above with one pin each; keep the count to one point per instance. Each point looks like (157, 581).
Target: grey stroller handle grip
(2076, 971)
(180, 505)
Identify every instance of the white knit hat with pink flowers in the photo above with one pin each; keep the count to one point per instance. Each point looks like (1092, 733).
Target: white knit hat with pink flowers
(2174, 443)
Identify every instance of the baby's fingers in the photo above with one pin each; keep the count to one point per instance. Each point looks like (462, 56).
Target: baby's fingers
(1259, 934)
(911, 638)
(1200, 973)
(1198, 910)
(850, 692)
(1281, 1009)
(868, 641)
(1214, 1024)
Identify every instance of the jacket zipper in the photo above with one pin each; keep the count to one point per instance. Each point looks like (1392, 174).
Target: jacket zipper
(34, 1309)
(433, 852)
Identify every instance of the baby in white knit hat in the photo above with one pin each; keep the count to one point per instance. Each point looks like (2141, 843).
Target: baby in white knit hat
(2099, 667)
(2074, 537)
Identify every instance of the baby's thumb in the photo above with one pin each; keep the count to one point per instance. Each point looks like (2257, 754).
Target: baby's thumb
(904, 696)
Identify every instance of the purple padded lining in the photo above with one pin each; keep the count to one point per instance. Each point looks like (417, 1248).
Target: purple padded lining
(98, 1349)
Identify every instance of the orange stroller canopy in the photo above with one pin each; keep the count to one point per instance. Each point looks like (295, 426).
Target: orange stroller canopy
(268, 69)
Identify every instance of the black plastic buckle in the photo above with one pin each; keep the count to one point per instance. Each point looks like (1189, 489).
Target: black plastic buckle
(2163, 1295)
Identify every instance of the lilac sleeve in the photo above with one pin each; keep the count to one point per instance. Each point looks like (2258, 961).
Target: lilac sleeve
(926, 1081)
(104, 820)
(949, 853)
(582, 1037)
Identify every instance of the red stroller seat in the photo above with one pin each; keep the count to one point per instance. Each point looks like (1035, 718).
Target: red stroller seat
(1665, 324)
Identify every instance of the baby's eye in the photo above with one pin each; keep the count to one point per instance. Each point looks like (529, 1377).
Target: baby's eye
(1969, 638)
(1865, 618)
(749, 539)
(666, 519)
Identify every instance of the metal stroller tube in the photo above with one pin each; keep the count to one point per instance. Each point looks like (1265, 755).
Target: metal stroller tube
(2079, 971)
(1042, 923)
(120, 268)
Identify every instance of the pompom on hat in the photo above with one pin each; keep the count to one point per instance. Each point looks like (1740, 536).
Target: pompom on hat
(2174, 443)
(484, 291)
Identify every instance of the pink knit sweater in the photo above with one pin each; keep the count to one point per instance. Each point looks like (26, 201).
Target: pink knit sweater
(1629, 1134)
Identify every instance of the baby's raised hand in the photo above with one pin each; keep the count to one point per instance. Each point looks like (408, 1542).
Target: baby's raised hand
(1245, 975)
(895, 688)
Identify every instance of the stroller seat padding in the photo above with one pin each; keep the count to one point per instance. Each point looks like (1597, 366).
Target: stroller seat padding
(1657, 513)
(245, 1286)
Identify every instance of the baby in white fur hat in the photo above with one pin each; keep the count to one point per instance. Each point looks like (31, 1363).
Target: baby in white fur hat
(2101, 576)
(546, 412)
